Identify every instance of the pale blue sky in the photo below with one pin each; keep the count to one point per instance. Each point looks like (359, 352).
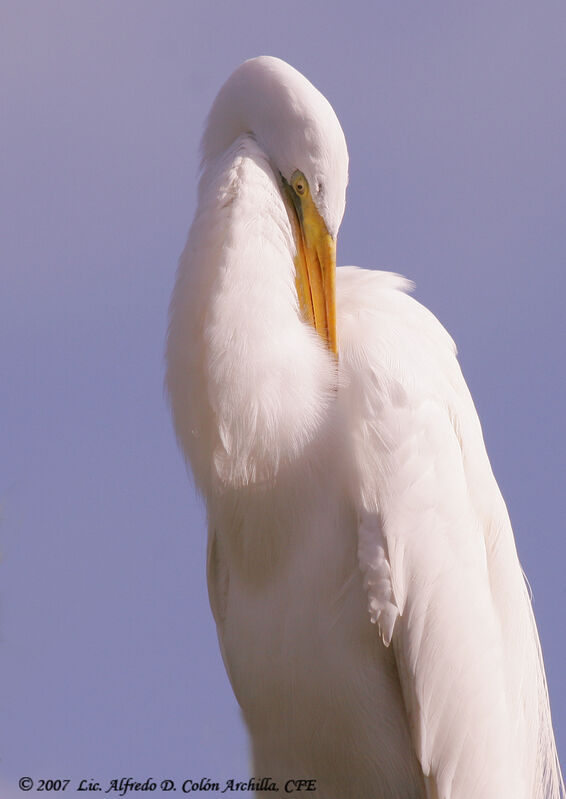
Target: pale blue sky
(455, 114)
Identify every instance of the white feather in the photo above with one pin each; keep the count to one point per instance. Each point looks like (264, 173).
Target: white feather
(338, 496)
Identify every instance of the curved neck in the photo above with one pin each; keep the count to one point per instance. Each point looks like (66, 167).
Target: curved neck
(258, 387)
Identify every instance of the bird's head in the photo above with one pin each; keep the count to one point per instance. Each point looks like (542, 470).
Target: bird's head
(297, 128)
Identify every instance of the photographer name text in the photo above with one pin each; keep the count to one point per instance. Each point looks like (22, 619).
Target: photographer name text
(128, 785)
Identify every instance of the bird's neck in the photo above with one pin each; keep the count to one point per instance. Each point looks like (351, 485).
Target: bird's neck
(259, 379)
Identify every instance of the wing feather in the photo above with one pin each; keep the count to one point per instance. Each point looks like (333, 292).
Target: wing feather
(218, 578)
(438, 556)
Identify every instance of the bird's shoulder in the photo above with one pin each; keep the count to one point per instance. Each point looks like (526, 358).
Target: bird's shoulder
(417, 435)
(380, 303)
(403, 385)
(391, 342)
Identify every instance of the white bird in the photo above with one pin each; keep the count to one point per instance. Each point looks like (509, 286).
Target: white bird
(332, 435)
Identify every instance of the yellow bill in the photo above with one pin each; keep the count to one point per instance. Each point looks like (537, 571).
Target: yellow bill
(315, 261)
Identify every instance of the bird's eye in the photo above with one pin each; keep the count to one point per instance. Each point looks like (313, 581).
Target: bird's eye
(299, 183)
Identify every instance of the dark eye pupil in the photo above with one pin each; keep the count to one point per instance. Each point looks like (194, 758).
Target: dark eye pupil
(299, 187)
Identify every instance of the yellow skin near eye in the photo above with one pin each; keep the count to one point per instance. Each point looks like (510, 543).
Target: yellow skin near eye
(315, 259)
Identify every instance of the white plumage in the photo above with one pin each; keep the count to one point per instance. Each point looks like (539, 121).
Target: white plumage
(342, 492)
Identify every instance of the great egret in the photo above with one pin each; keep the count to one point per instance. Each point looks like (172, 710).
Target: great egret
(332, 435)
